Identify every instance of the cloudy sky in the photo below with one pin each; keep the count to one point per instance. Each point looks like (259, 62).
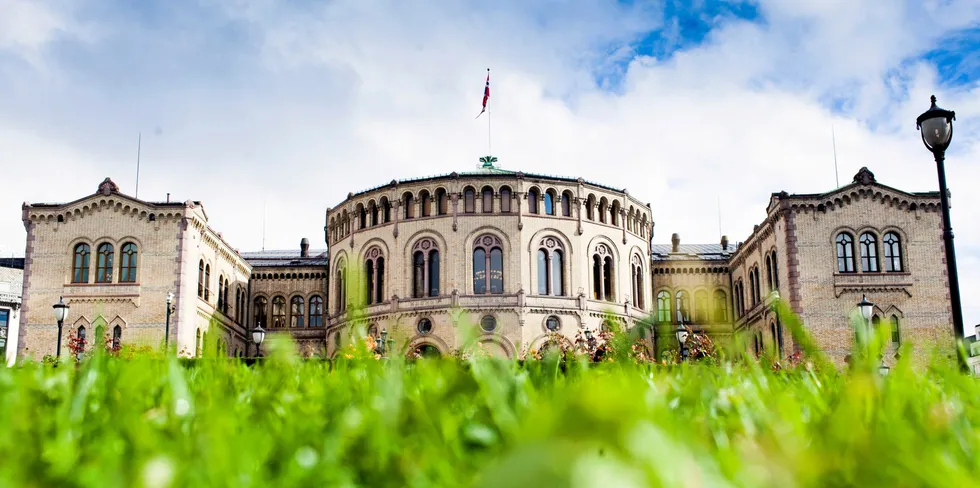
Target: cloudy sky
(280, 108)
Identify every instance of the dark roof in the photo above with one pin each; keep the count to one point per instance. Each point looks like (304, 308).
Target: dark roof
(290, 258)
(703, 252)
(16, 263)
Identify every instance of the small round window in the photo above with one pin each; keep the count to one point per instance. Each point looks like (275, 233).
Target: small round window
(552, 324)
(488, 323)
(425, 326)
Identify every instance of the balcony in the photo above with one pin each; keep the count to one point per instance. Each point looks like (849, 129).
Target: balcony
(865, 282)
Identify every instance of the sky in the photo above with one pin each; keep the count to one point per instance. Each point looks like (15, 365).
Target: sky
(271, 111)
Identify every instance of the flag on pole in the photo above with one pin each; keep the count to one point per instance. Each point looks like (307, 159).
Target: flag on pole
(486, 95)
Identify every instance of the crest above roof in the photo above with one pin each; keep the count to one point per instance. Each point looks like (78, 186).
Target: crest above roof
(108, 187)
(864, 176)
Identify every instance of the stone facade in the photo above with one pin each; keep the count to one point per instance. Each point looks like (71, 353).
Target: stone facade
(11, 286)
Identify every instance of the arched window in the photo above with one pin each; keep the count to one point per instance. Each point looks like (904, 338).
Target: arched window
(425, 269)
(409, 201)
(701, 314)
(373, 210)
(566, 204)
(488, 265)
(721, 307)
(636, 280)
(752, 286)
(663, 307)
(80, 264)
(683, 307)
(551, 267)
(487, 199)
(278, 312)
(260, 311)
(845, 253)
(116, 338)
(757, 344)
(296, 307)
(607, 279)
(549, 203)
(893, 252)
(769, 271)
(341, 286)
(777, 338)
(532, 201)
(361, 216)
(425, 203)
(442, 201)
(374, 268)
(316, 311)
(615, 213)
(505, 199)
(775, 270)
(896, 334)
(869, 253)
(221, 292)
(558, 273)
(542, 272)
(82, 342)
(200, 279)
(603, 210)
(590, 207)
(225, 307)
(469, 200)
(385, 210)
(127, 269)
(758, 286)
(602, 274)
(103, 263)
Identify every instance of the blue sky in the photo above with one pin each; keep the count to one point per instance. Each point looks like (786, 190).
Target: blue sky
(279, 109)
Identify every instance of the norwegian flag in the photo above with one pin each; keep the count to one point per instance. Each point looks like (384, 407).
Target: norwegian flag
(486, 95)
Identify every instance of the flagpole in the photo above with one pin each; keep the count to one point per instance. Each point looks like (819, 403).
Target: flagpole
(489, 143)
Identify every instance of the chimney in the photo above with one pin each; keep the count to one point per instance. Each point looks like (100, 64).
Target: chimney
(724, 243)
(304, 248)
(675, 240)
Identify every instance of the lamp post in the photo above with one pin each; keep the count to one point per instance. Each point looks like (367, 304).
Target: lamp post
(171, 308)
(60, 314)
(384, 344)
(258, 335)
(936, 126)
(681, 333)
(867, 309)
(590, 341)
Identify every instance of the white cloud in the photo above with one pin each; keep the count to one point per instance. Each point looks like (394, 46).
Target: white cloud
(321, 101)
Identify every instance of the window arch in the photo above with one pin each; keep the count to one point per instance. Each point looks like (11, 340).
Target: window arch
(127, 268)
(374, 269)
(260, 312)
(893, 252)
(116, 338)
(869, 252)
(566, 204)
(361, 216)
(702, 313)
(80, 264)
(82, 342)
(487, 199)
(551, 267)
(614, 220)
(373, 211)
(469, 200)
(221, 292)
(845, 253)
(777, 337)
(505, 199)
(532, 200)
(663, 307)
(896, 333)
(549, 202)
(425, 203)
(385, 210)
(442, 201)
(636, 280)
(425, 268)
(590, 207)
(409, 201)
(278, 312)
(207, 282)
(769, 282)
(683, 307)
(341, 284)
(721, 306)
(602, 274)
(752, 285)
(103, 263)
(316, 311)
(296, 307)
(603, 210)
(488, 265)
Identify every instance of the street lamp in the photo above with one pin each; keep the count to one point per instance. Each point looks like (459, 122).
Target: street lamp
(681, 333)
(590, 340)
(258, 335)
(936, 126)
(171, 308)
(867, 308)
(60, 314)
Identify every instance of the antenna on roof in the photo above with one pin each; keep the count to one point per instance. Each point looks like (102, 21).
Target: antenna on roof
(139, 145)
(833, 138)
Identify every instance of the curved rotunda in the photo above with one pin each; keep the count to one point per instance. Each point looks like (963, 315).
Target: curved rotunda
(500, 258)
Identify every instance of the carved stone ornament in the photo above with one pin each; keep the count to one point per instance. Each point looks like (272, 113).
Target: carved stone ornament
(424, 244)
(108, 187)
(375, 252)
(602, 249)
(864, 176)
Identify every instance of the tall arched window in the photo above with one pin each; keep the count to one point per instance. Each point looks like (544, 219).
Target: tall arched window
(590, 207)
(488, 265)
(683, 307)
(777, 338)
(701, 313)
(82, 342)
(505, 199)
(316, 311)
(636, 273)
(769, 272)
(542, 272)
(487, 199)
(893, 252)
(418, 274)
(80, 264)
(558, 272)
(469, 200)
(221, 292)
(602, 274)
(615, 213)
(278, 312)
(433, 273)
(721, 306)
(442, 201)
(385, 210)
(127, 269)
(425, 203)
(896, 334)
(775, 270)
(361, 216)
(551, 267)
(869, 253)
(566, 204)
(296, 307)
(409, 201)
(103, 263)
(425, 269)
(752, 286)
(845, 253)
(341, 286)
(607, 279)
(373, 211)
(603, 210)
(224, 308)
(116, 338)
(532, 201)
(374, 269)
(260, 311)
(549, 203)
(663, 307)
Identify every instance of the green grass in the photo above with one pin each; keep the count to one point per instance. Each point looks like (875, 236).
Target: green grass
(149, 421)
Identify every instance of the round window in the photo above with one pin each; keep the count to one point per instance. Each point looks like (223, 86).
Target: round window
(552, 324)
(425, 326)
(488, 323)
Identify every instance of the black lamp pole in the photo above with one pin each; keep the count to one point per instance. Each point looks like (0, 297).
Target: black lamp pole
(936, 126)
(170, 310)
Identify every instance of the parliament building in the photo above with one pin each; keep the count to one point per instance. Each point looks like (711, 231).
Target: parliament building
(493, 257)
